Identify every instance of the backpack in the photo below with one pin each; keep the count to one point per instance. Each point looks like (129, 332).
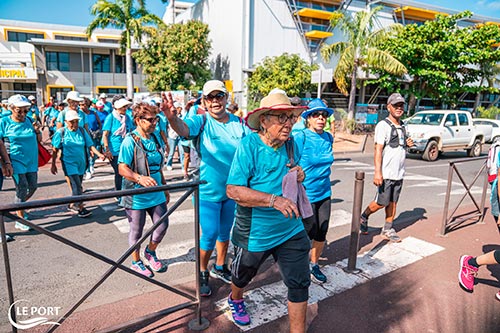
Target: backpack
(394, 138)
(492, 162)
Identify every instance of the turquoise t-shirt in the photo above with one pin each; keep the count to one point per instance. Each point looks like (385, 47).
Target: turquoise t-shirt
(218, 142)
(51, 113)
(316, 161)
(108, 107)
(5, 113)
(111, 124)
(262, 168)
(34, 111)
(75, 149)
(62, 116)
(154, 157)
(161, 126)
(300, 125)
(20, 140)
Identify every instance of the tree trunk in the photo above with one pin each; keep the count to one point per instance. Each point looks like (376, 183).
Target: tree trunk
(130, 73)
(476, 102)
(352, 96)
(412, 103)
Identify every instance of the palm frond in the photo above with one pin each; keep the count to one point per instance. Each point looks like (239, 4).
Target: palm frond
(380, 59)
(336, 48)
(344, 69)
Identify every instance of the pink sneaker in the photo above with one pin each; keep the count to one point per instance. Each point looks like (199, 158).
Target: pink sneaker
(155, 264)
(138, 266)
(467, 273)
(498, 295)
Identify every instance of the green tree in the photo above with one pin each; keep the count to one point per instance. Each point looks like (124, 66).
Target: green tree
(361, 51)
(175, 57)
(444, 60)
(288, 72)
(123, 14)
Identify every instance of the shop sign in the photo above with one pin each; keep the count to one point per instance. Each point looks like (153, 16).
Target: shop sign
(9, 74)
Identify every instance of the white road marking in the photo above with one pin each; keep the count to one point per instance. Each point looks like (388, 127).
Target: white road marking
(269, 302)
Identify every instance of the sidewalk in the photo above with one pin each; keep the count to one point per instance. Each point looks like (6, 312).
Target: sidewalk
(421, 297)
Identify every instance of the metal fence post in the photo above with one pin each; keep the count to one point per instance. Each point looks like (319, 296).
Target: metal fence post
(8, 274)
(199, 323)
(356, 214)
(447, 199)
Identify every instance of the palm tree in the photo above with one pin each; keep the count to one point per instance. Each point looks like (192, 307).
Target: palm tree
(122, 14)
(360, 51)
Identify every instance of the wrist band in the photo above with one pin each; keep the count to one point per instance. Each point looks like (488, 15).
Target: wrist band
(271, 202)
(138, 179)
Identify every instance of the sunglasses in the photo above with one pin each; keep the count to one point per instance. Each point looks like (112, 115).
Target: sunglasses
(219, 95)
(316, 114)
(152, 119)
(282, 117)
(19, 110)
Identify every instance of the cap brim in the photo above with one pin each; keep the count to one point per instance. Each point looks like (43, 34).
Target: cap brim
(252, 119)
(308, 112)
(21, 104)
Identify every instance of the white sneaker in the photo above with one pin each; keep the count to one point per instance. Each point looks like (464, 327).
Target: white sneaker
(92, 170)
(87, 176)
(169, 168)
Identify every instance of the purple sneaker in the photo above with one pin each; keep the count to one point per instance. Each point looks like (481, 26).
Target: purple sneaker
(240, 315)
(498, 295)
(155, 264)
(466, 274)
(138, 266)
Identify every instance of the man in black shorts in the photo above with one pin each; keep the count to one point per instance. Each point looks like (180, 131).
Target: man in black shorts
(390, 154)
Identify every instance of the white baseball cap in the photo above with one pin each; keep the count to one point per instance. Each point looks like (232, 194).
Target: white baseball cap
(213, 85)
(74, 96)
(18, 101)
(71, 115)
(103, 95)
(122, 103)
(31, 97)
(99, 104)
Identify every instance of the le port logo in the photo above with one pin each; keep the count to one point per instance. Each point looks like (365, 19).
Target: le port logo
(38, 315)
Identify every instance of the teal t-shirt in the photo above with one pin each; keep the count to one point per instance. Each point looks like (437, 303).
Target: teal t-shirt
(316, 161)
(34, 113)
(51, 113)
(111, 124)
(218, 142)
(62, 116)
(300, 125)
(20, 141)
(262, 168)
(5, 113)
(161, 125)
(155, 160)
(75, 147)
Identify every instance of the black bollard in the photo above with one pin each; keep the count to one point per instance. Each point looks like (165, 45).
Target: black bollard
(356, 214)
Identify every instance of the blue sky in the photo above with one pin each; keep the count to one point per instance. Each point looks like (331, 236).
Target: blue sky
(77, 12)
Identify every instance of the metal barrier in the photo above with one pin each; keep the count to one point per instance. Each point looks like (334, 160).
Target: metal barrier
(356, 214)
(451, 221)
(199, 323)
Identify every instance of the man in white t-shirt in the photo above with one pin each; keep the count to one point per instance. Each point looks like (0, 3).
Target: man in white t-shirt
(390, 153)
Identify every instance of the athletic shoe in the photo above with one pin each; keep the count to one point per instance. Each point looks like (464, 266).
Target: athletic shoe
(169, 167)
(498, 295)
(317, 275)
(391, 235)
(205, 289)
(84, 212)
(22, 227)
(238, 310)
(186, 177)
(138, 266)
(73, 208)
(363, 225)
(8, 238)
(92, 170)
(155, 264)
(224, 274)
(87, 176)
(467, 274)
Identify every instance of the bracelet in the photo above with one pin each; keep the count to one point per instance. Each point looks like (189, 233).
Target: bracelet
(138, 179)
(6, 163)
(271, 202)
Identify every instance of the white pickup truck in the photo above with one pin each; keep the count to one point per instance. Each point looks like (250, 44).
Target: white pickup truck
(436, 131)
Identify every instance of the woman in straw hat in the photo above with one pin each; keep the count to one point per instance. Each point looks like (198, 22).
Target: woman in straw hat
(266, 222)
(219, 133)
(315, 147)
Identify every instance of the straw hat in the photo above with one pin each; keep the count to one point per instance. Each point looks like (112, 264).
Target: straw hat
(276, 102)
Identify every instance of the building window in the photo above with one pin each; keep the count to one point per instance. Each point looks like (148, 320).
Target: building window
(101, 63)
(57, 61)
(121, 67)
(108, 40)
(77, 38)
(20, 87)
(18, 36)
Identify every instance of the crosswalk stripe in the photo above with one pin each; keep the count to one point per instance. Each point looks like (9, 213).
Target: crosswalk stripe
(269, 302)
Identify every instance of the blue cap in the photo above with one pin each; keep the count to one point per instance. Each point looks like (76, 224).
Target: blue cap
(316, 105)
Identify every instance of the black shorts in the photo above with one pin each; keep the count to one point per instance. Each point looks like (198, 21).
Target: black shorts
(292, 257)
(186, 149)
(388, 192)
(317, 225)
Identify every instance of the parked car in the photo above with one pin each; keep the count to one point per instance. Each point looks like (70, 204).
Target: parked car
(491, 135)
(437, 131)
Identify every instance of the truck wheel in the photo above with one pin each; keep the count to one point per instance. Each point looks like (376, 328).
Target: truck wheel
(431, 152)
(475, 150)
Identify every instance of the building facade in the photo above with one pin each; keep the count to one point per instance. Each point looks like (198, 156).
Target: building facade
(50, 60)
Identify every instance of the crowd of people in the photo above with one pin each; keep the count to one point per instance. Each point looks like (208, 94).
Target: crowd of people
(267, 177)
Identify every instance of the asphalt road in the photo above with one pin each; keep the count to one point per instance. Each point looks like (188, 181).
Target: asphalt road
(48, 273)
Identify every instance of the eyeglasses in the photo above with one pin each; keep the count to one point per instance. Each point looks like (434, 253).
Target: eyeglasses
(219, 95)
(152, 119)
(282, 117)
(21, 110)
(316, 114)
